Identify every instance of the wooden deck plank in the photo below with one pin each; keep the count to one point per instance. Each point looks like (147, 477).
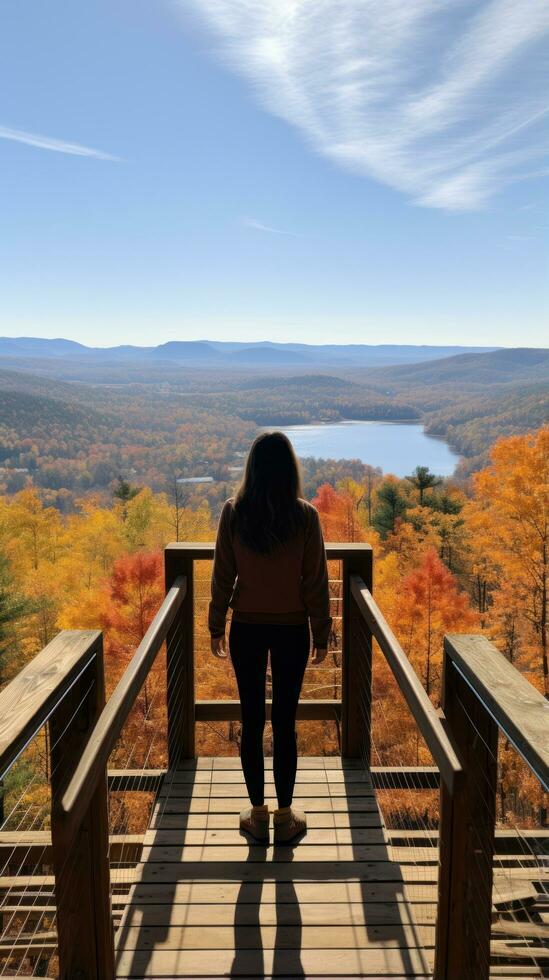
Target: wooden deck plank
(203, 870)
(317, 853)
(513, 894)
(216, 790)
(303, 774)
(303, 762)
(515, 970)
(125, 876)
(29, 944)
(496, 973)
(315, 870)
(157, 938)
(279, 913)
(531, 930)
(234, 804)
(322, 963)
(281, 892)
(540, 834)
(512, 950)
(229, 837)
(292, 937)
(182, 822)
(224, 776)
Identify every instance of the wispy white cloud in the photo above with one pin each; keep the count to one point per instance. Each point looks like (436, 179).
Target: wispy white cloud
(259, 226)
(58, 146)
(443, 100)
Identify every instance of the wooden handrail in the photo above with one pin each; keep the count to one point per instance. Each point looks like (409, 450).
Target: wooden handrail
(30, 698)
(92, 765)
(204, 550)
(411, 687)
(520, 711)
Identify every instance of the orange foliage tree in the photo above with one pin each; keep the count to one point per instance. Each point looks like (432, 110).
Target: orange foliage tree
(513, 493)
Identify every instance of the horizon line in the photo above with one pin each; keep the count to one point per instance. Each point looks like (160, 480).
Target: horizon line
(273, 343)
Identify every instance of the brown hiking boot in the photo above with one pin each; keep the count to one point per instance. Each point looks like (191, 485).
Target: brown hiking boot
(255, 824)
(288, 827)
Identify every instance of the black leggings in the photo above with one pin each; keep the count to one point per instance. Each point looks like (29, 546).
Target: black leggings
(249, 644)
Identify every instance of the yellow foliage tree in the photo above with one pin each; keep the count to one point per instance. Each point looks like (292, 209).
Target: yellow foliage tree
(514, 493)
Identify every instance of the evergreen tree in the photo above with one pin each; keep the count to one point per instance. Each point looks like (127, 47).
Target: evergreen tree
(124, 491)
(444, 503)
(422, 479)
(391, 504)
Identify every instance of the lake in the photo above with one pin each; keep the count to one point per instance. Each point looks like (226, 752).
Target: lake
(397, 447)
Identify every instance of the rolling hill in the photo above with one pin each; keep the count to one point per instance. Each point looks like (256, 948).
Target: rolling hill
(490, 367)
(75, 423)
(229, 354)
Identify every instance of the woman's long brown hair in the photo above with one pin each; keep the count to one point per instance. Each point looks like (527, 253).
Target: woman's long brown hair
(268, 512)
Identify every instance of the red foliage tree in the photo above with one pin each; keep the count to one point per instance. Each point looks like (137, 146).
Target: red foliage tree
(134, 595)
(429, 605)
(338, 510)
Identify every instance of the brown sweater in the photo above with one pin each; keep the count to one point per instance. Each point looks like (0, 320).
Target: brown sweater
(289, 586)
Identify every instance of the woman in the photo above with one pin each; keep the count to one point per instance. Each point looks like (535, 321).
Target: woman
(270, 567)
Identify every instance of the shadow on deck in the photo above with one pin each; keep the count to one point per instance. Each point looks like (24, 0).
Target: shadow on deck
(208, 903)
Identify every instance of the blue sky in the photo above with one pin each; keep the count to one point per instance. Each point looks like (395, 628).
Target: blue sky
(319, 171)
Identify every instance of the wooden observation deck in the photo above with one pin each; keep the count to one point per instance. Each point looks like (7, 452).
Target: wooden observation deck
(193, 898)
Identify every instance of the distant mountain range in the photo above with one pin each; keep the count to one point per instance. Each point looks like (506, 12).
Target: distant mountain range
(218, 354)
(88, 404)
(478, 368)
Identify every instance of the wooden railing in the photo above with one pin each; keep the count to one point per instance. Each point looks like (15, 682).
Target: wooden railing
(482, 694)
(419, 703)
(64, 687)
(92, 766)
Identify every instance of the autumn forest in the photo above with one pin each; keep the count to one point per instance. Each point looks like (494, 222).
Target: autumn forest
(91, 496)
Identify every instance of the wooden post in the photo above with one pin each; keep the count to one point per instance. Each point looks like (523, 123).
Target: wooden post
(81, 865)
(467, 827)
(179, 560)
(356, 694)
